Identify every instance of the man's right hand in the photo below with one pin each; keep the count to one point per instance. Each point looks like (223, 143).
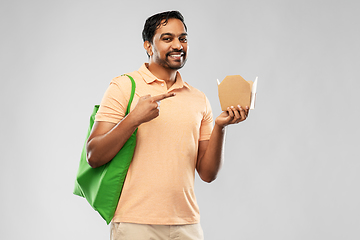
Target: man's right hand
(148, 108)
(106, 139)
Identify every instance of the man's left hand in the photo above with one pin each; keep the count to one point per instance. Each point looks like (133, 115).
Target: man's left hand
(232, 115)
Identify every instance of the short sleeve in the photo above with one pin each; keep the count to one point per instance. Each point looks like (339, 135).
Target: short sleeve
(207, 122)
(114, 103)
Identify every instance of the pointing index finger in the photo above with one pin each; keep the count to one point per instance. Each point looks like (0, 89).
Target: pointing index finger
(162, 96)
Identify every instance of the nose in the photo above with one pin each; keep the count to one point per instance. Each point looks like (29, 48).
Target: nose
(177, 45)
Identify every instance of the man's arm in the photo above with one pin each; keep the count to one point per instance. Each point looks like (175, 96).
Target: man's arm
(210, 153)
(106, 139)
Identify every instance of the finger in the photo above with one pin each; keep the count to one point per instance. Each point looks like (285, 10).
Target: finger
(236, 112)
(155, 105)
(162, 96)
(242, 113)
(146, 96)
(247, 110)
(230, 112)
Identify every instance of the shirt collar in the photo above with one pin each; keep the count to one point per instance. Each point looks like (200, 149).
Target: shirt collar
(149, 77)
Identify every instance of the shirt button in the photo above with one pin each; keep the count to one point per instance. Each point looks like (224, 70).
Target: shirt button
(162, 84)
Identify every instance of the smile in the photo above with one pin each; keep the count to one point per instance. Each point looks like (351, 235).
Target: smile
(176, 55)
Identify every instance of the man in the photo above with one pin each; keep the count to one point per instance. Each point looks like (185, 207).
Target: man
(174, 138)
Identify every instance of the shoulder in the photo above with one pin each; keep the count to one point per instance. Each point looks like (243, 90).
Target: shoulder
(123, 81)
(195, 92)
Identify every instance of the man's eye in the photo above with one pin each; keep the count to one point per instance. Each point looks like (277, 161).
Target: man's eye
(167, 39)
(183, 40)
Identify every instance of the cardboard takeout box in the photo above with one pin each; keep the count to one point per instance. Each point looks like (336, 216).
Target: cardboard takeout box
(235, 90)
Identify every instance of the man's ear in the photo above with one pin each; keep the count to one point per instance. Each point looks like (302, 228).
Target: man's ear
(148, 48)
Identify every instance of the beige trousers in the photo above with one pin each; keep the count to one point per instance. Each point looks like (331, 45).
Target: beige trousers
(133, 231)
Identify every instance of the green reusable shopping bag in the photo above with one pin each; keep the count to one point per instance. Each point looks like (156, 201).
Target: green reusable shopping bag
(102, 186)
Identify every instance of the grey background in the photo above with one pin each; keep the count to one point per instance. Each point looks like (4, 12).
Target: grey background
(292, 169)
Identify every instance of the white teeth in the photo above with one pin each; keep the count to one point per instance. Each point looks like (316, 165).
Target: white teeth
(175, 55)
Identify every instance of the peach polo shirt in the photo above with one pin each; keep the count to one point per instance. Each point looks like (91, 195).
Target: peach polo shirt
(159, 186)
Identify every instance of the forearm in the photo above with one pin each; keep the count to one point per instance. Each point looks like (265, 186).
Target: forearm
(102, 148)
(210, 163)
(210, 156)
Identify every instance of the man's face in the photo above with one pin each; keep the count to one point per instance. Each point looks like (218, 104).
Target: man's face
(169, 47)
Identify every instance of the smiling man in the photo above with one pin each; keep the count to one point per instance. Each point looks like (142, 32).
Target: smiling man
(174, 138)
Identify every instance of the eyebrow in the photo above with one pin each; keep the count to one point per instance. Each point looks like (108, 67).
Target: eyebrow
(171, 34)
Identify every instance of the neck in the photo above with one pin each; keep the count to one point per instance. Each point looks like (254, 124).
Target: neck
(168, 75)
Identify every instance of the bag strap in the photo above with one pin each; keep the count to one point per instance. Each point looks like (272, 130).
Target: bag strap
(133, 86)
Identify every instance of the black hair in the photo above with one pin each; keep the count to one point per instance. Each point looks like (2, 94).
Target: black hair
(155, 21)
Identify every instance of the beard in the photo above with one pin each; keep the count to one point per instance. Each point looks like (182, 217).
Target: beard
(172, 65)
